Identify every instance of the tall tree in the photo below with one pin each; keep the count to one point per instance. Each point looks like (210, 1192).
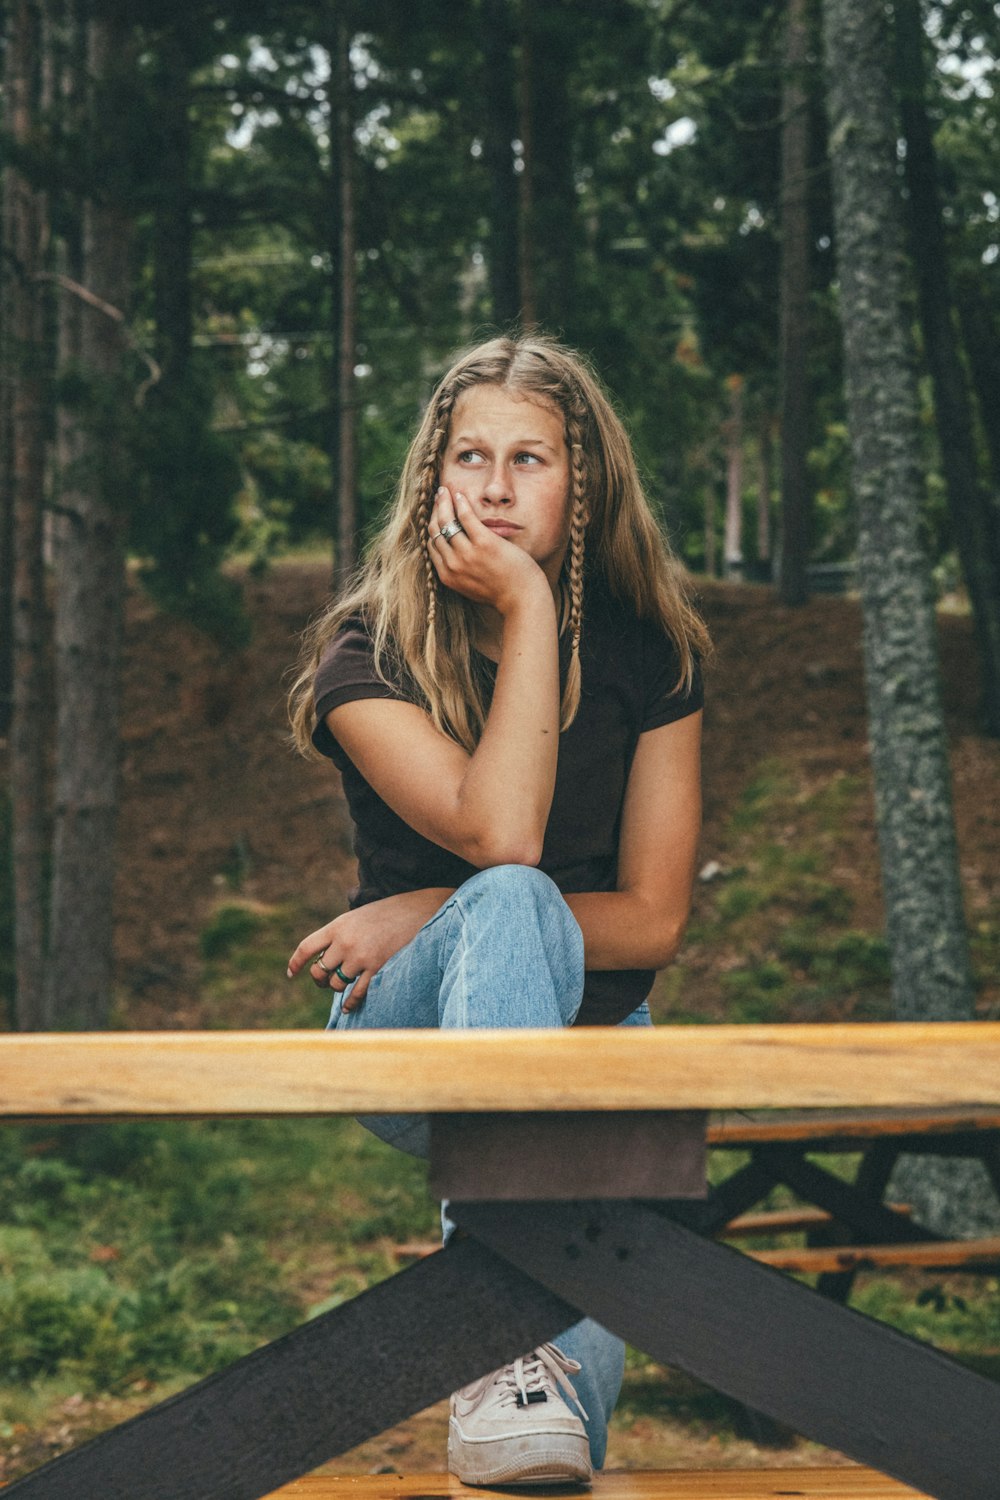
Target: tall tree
(499, 134)
(975, 517)
(346, 296)
(90, 566)
(732, 547)
(28, 230)
(930, 961)
(794, 337)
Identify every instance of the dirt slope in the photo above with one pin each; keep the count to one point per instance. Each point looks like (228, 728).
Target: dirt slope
(215, 800)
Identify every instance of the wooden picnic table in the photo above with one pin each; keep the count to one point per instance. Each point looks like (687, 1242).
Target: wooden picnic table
(852, 1228)
(644, 1264)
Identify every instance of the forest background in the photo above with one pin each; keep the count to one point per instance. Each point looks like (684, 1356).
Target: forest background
(239, 245)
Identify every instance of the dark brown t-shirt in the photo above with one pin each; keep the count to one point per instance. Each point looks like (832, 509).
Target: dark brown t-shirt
(628, 669)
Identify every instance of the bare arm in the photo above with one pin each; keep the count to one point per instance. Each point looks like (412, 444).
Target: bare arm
(640, 925)
(490, 807)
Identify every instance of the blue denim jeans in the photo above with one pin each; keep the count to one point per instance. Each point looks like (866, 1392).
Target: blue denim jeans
(504, 950)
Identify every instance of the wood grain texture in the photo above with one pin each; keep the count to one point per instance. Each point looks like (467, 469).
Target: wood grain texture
(758, 1484)
(145, 1075)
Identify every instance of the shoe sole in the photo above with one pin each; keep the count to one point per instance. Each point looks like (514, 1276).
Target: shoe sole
(557, 1462)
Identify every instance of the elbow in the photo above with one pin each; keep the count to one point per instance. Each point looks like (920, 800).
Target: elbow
(667, 937)
(504, 847)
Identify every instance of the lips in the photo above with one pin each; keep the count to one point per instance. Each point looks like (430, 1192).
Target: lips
(503, 528)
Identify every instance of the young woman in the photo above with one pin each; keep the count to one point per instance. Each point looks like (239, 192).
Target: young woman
(511, 693)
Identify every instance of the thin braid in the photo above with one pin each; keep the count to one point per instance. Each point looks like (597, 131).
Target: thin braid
(579, 517)
(425, 502)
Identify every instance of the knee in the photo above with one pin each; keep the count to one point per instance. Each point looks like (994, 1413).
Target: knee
(519, 896)
(514, 883)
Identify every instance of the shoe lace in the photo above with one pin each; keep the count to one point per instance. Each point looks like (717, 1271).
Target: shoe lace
(542, 1370)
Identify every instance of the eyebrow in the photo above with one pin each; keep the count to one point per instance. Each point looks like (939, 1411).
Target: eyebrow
(465, 440)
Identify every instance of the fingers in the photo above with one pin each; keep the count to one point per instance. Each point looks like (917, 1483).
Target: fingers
(307, 950)
(359, 991)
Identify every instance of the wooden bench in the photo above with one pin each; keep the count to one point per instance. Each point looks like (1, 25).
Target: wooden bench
(532, 1258)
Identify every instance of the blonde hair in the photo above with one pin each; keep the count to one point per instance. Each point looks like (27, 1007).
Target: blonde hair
(425, 633)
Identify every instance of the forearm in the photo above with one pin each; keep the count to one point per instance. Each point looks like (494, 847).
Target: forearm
(506, 792)
(625, 930)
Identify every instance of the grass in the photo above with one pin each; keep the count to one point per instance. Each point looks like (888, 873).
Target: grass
(781, 931)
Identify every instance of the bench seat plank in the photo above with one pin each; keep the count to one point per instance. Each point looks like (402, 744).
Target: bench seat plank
(949, 1255)
(183, 1074)
(846, 1130)
(754, 1484)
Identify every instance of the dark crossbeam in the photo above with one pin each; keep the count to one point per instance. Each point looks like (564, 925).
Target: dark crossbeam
(329, 1385)
(768, 1341)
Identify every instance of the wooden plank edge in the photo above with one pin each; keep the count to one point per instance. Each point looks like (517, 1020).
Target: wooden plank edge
(847, 1482)
(146, 1075)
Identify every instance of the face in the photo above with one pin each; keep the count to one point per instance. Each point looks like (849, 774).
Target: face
(507, 455)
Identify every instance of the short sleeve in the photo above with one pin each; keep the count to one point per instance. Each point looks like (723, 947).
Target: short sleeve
(663, 701)
(346, 673)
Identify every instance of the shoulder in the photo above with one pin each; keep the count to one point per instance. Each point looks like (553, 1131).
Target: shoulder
(347, 672)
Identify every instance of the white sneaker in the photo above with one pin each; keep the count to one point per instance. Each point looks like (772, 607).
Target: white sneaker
(513, 1427)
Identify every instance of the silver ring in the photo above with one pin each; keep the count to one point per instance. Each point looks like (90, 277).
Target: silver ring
(434, 536)
(318, 960)
(452, 529)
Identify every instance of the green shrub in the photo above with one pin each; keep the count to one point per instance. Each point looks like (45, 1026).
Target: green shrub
(230, 926)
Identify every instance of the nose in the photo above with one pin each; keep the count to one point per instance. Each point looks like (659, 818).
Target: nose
(497, 489)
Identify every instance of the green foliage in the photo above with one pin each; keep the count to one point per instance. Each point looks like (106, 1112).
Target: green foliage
(143, 1252)
(229, 926)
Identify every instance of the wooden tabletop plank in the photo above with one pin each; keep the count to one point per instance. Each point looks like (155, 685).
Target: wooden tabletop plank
(137, 1074)
(848, 1483)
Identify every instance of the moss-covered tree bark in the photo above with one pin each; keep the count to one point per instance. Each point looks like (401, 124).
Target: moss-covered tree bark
(930, 961)
(975, 517)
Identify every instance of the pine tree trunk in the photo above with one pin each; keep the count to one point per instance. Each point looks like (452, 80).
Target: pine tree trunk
(172, 228)
(931, 977)
(732, 550)
(498, 153)
(30, 715)
(90, 597)
(549, 40)
(975, 521)
(8, 200)
(342, 143)
(766, 464)
(526, 238)
(793, 584)
(981, 337)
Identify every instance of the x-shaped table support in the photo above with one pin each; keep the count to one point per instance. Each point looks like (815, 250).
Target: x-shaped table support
(525, 1272)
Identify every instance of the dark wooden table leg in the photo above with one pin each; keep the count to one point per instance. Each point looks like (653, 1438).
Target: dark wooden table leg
(762, 1338)
(871, 1181)
(329, 1385)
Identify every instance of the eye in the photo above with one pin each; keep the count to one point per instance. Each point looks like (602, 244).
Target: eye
(469, 456)
(527, 458)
